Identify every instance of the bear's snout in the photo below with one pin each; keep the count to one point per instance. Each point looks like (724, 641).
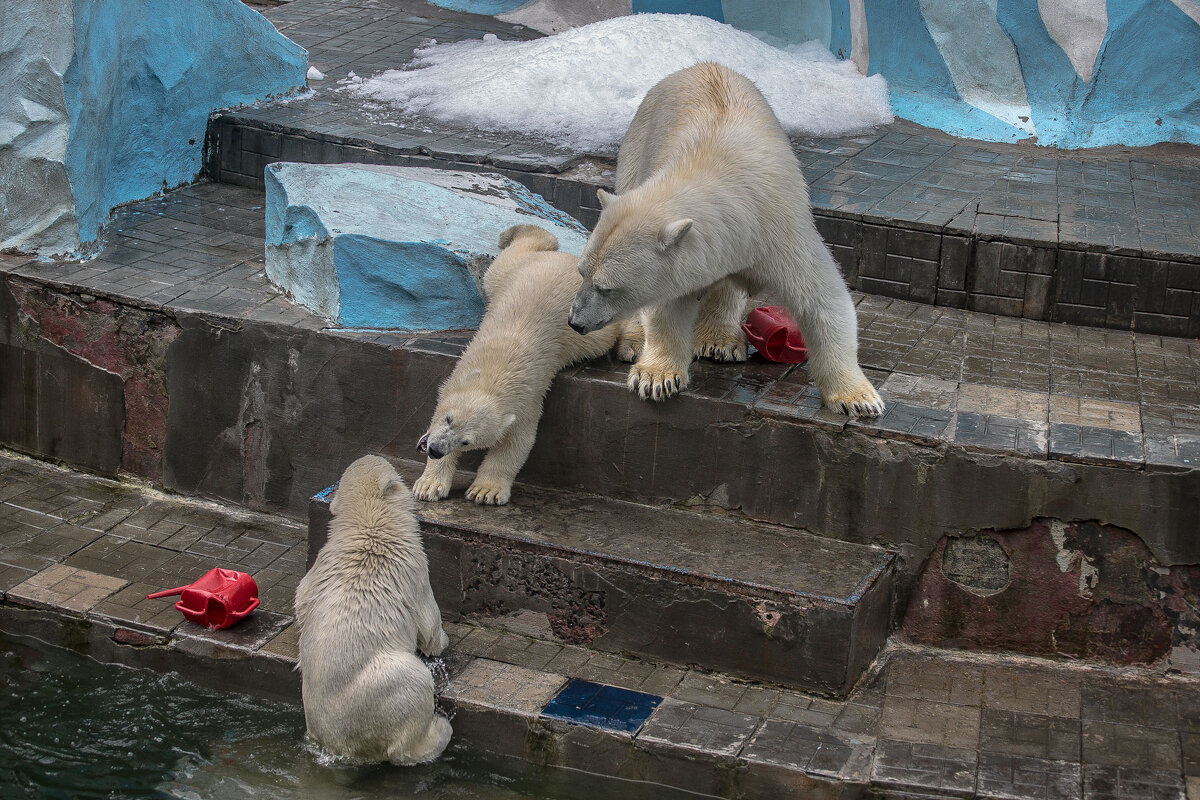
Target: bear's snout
(575, 326)
(433, 452)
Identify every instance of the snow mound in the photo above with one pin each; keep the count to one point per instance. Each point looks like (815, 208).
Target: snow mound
(580, 88)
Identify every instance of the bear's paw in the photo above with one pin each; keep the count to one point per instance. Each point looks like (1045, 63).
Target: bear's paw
(428, 487)
(489, 493)
(656, 383)
(860, 401)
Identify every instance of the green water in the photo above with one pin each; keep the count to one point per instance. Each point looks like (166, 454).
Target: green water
(73, 728)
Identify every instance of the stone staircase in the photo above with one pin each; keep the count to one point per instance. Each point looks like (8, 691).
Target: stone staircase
(738, 526)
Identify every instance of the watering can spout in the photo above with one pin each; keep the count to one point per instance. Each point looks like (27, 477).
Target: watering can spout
(167, 592)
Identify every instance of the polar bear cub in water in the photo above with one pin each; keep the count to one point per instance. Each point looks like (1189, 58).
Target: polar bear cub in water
(364, 609)
(493, 399)
(710, 206)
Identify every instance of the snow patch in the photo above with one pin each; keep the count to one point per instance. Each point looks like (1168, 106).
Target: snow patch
(580, 88)
(315, 74)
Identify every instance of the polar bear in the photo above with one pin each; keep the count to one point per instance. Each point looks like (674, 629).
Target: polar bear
(710, 206)
(364, 609)
(493, 399)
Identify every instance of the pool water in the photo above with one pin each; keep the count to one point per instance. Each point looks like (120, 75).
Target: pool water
(74, 728)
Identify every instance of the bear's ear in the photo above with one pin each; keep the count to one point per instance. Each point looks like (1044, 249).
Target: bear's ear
(388, 485)
(508, 420)
(603, 197)
(673, 232)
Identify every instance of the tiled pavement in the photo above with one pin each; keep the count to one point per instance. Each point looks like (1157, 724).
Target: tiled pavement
(1105, 238)
(923, 721)
(981, 381)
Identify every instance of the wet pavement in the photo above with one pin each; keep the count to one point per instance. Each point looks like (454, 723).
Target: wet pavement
(925, 721)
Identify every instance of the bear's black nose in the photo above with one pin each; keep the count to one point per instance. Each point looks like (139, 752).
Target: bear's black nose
(433, 452)
(582, 329)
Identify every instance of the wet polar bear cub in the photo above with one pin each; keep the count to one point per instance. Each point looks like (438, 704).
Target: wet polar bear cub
(493, 399)
(364, 608)
(710, 197)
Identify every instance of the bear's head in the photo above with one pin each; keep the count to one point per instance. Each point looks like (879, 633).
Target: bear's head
(371, 481)
(466, 419)
(630, 261)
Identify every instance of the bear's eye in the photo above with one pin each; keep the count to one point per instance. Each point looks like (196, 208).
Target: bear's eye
(466, 442)
(449, 419)
(603, 290)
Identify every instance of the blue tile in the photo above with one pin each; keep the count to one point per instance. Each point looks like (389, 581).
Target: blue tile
(600, 706)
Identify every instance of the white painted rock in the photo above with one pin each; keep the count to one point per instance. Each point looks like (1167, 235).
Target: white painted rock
(395, 247)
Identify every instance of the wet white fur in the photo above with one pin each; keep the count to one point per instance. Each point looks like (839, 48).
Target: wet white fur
(493, 399)
(709, 194)
(364, 609)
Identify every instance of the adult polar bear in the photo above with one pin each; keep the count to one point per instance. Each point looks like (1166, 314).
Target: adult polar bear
(711, 205)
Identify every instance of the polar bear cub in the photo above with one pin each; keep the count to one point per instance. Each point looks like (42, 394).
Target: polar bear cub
(710, 206)
(493, 399)
(364, 609)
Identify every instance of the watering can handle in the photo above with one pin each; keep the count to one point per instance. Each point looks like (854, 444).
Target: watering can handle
(167, 592)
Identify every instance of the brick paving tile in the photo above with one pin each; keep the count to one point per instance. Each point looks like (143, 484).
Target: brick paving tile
(1130, 783)
(1031, 691)
(130, 608)
(912, 719)
(1019, 734)
(286, 643)
(1015, 777)
(1149, 706)
(1115, 744)
(515, 689)
(924, 767)
(715, 731)
(250, 633)
(797, 746)
(63, 587)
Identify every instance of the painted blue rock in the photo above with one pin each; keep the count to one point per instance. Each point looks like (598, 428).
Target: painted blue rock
(395, 247)
(107, 101)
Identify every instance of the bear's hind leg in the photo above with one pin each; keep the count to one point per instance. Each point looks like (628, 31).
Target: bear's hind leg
(719, 324)
(662, 368)
(428, 746)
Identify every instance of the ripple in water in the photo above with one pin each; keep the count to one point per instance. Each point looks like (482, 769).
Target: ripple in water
(74, 729)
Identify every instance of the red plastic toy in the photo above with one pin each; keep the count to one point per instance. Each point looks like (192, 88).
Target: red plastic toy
(776, 337)
(217, 600)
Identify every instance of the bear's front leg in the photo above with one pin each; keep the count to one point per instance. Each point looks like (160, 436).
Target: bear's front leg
(434, 483)
(662, 368)
(493, 483)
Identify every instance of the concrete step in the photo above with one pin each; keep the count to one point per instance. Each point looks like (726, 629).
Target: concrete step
(746, 598)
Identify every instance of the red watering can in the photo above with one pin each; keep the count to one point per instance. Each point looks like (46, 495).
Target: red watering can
(220, 598)
(774, 335)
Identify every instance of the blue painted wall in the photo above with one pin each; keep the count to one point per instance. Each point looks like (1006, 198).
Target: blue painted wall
(145, 76)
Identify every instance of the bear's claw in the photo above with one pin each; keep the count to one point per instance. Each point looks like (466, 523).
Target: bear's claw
(430, 489)
(722, 347)
(489, 494)
(650, 384)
